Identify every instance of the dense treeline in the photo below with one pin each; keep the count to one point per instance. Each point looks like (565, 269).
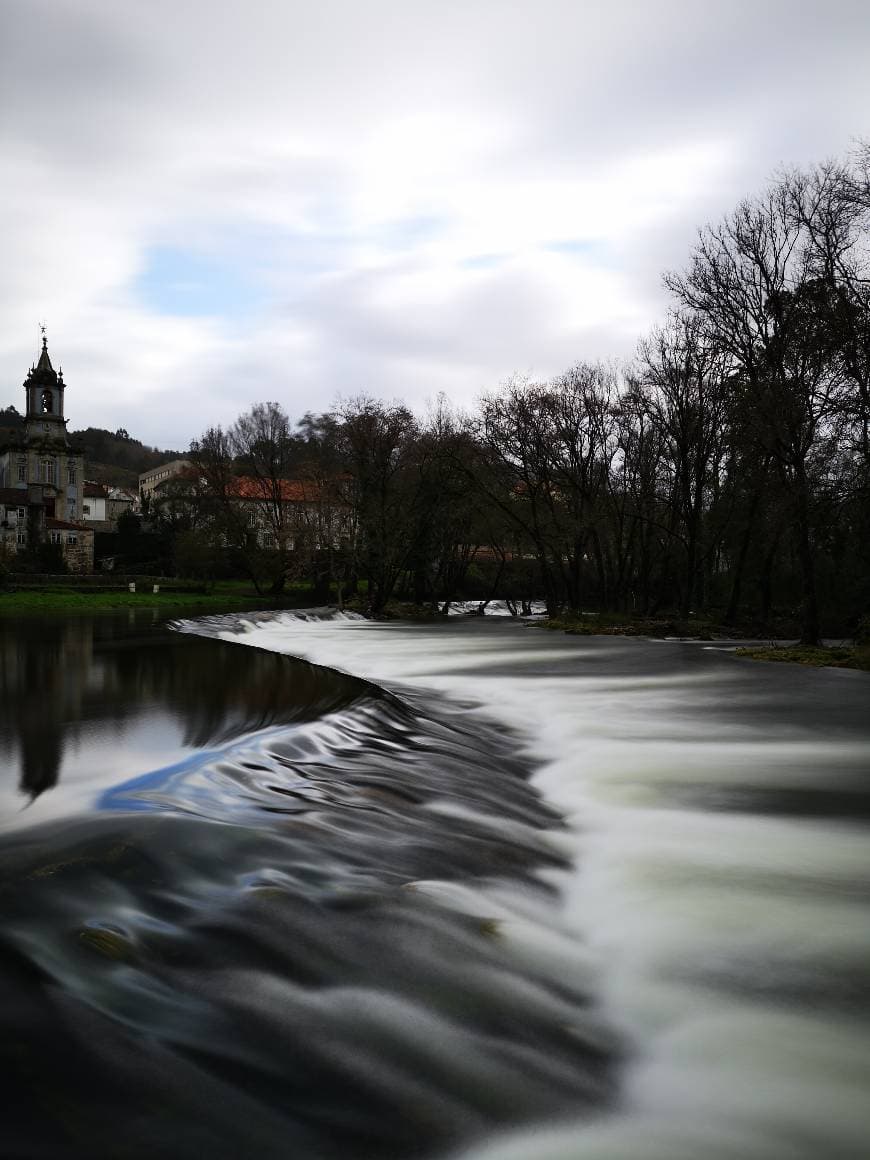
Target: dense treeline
(727, 469)
(118, 449)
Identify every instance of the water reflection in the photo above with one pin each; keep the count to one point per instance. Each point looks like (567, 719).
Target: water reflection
(73, 690)
(243, 949)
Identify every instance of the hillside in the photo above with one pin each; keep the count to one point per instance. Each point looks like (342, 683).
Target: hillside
(110, 474)
(118, 449)
(110, 456)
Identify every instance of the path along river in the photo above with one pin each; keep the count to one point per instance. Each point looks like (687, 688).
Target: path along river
(493, 892)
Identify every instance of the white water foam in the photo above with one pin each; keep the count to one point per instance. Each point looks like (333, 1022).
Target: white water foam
(730, 948)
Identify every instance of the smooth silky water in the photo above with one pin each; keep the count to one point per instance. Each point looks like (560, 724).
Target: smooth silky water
(216, 936)
(470, 889)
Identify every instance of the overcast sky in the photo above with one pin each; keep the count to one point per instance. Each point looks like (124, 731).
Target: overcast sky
(216, 203)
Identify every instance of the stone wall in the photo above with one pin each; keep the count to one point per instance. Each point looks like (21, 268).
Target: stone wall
(79, 557)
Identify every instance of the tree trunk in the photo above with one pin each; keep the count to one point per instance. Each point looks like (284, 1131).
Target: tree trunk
(740, 564)
(810, 630)
(601, 569)
(688, 592)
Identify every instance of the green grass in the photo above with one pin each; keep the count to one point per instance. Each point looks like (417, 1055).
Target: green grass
(616, 624)
(619, 624)
(224, 594)
(841, 657)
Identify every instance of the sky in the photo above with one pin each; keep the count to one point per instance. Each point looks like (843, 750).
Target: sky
(211, 204)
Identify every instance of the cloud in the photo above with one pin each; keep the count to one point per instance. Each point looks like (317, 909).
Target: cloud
(215, 204)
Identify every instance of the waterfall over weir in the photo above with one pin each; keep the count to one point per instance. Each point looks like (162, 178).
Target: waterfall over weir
(714, 909)
(304, 885)
(221, 923)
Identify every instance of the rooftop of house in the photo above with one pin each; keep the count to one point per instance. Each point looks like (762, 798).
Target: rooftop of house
(290, 490)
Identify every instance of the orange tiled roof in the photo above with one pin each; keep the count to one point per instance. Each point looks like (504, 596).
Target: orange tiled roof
(291, 490)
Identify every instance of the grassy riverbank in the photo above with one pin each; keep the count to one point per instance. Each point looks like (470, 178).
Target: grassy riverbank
(840, 657)
(618, 624)
(222, 595)
(855, 656)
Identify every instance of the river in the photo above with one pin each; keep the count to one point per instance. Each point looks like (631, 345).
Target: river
(299, 886)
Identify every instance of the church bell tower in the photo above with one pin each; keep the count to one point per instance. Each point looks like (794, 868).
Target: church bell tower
(44, 388)
(42, 475)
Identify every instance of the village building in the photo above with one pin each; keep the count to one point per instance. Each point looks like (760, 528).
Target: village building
(285, 514)
(158, 477)
(95, 497)
(103, 505)
(42, 474)
(293, 514)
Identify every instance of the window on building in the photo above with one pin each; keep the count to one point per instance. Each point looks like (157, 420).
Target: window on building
(71, 509)
(48, 471)
(86, 509)
(47, 402)
(22, 515)
(252, 518)
(72, 538)
(55, 537)
(22, 471)
(70, 473)
(21, 538)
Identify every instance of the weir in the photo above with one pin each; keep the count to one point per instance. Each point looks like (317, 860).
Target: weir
(716, 901)
(313, 885)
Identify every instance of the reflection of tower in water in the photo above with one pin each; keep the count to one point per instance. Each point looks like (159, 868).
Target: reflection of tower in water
(43, 669)
(41, 758)
(83, 680)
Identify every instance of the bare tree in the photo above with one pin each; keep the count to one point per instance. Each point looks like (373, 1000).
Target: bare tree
(686, 377)
(831, 202)
(246, 471)
(379, 445)
(751, 283)
(548, 453)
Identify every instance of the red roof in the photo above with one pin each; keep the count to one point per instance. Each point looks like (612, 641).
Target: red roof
(291, 490)
(95, 491)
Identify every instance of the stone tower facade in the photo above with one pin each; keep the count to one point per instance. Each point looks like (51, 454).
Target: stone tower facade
(42, 473)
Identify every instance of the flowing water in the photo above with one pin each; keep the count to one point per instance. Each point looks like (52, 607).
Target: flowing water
(472, 889)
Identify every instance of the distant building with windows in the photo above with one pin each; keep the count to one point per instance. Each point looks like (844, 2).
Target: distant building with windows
(42, 474)
(158, 477)
(294, 513)
(95, 497)
(103, 505)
